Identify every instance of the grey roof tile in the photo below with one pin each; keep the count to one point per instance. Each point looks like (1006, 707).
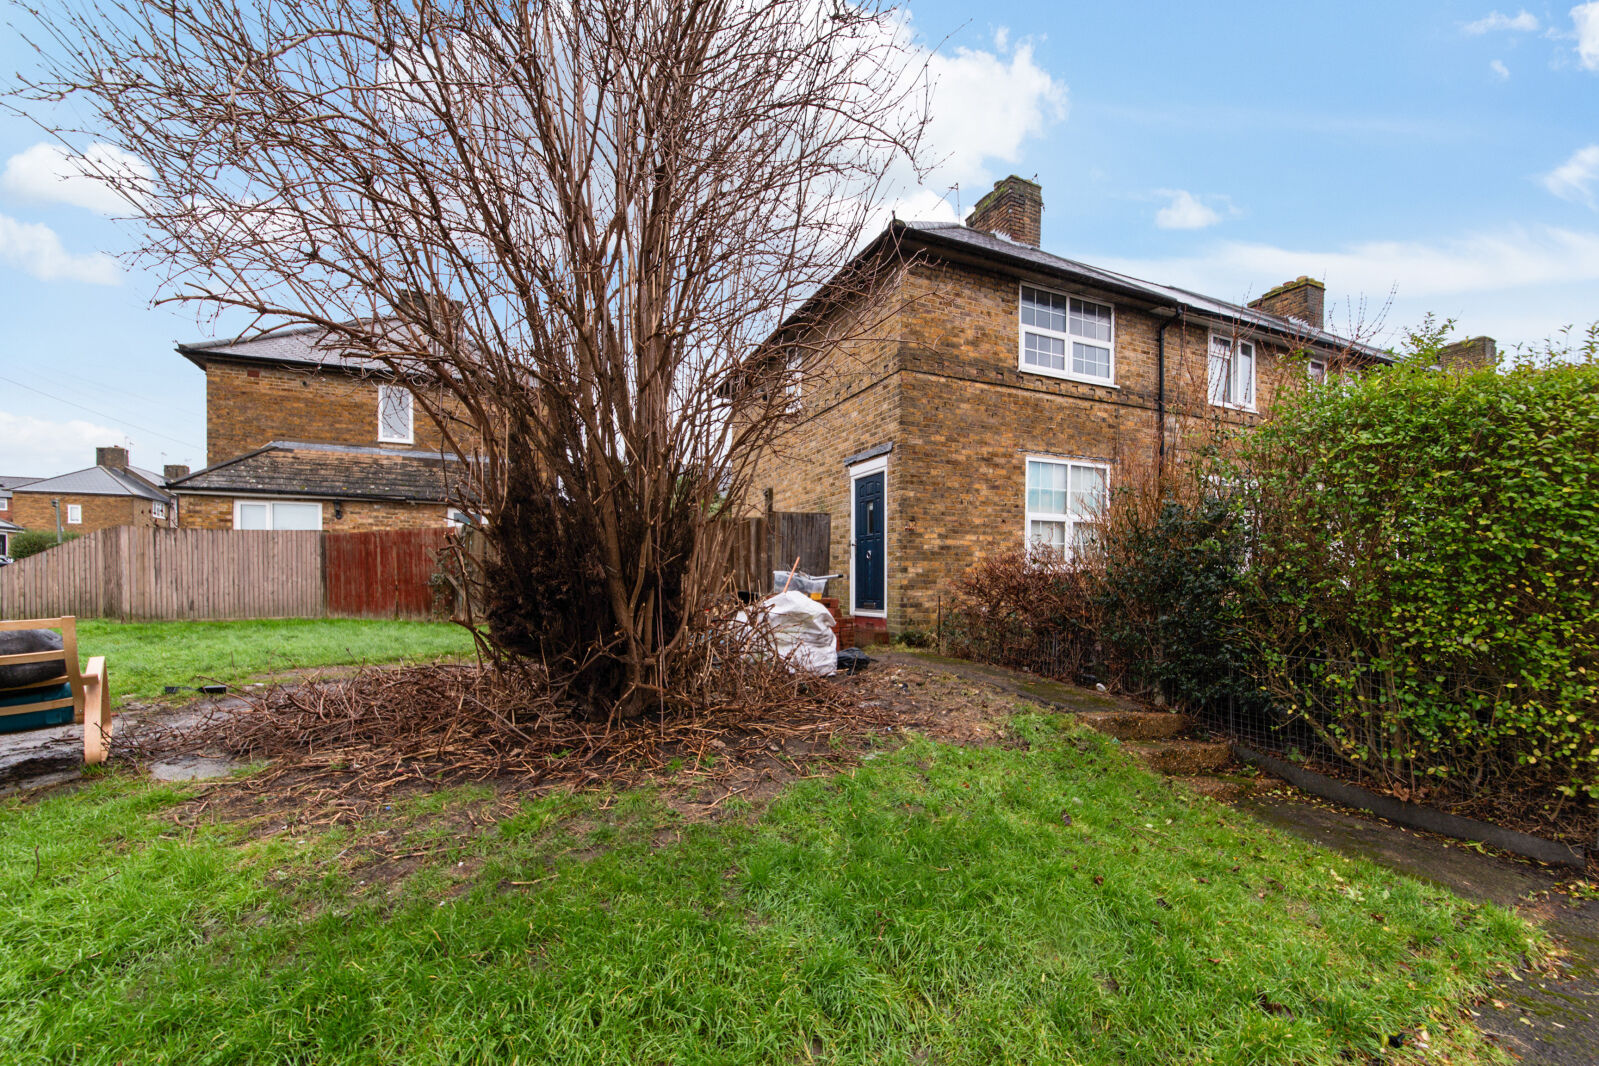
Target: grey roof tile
(300, 468)
(300, 346)
(995, 247)
(97, 481)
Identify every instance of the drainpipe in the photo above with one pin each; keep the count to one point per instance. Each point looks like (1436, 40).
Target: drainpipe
(1168, 313)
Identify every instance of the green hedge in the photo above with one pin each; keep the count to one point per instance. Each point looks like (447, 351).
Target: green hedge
(1424, 573)
(33, 541)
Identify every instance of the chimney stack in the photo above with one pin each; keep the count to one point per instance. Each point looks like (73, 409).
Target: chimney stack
(171, 472)
(1014, 209)
(1304, 299)
(1469, 354)
(111, 458)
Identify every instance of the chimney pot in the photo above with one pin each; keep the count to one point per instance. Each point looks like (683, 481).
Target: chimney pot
(1303, 298)
(1014, 208)
(111, 458)
(1469, 354)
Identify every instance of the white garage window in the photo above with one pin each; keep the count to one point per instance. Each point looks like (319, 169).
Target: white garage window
(269, 514)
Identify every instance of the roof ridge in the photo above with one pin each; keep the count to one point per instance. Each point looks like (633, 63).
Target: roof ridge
(226, 462)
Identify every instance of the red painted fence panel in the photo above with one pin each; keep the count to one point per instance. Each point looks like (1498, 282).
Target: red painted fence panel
(383, 574)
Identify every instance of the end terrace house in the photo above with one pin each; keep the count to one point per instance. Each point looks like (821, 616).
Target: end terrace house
(999, 392)
(300, 435)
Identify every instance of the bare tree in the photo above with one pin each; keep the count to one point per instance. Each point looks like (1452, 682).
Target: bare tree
(568, 223)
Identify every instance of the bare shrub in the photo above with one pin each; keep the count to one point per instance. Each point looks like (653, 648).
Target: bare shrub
(565, 225)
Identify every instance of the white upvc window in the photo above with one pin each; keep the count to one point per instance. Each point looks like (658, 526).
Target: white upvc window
(1064, 499)
(1232, 372)
(158, 510)
(1067, 337)
(1317, 370)
(395, 422)
(74, 514)
(274, 514)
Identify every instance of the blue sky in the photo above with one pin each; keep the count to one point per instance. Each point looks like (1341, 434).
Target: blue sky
(1447, 152)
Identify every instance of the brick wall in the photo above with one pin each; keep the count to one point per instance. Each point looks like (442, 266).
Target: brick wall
(33, 511)
(246, 407)
(360, 516)
(942, 383)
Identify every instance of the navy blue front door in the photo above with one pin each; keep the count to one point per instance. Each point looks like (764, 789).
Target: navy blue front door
(869, 572)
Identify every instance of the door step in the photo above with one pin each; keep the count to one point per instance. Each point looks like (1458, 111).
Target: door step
(1137, 725)
(1183, 758)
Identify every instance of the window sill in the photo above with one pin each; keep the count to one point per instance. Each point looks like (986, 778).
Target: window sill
(1240, 408)
(1061, 375)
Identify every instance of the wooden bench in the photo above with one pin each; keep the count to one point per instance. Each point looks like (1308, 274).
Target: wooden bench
(85, 691)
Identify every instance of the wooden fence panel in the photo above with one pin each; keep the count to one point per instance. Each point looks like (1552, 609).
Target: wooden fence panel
(761, 546)
(382, 574)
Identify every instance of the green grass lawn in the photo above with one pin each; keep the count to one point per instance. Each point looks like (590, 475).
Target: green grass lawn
(144, 657)
(931, 906)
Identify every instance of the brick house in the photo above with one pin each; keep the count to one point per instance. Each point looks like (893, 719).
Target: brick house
(1002, 390)
(110, 493)
(8, 528)
(301, 436)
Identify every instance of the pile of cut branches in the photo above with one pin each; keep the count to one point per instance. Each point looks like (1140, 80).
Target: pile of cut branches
(357, 738)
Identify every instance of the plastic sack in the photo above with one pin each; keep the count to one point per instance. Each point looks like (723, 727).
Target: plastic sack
(800, 581)
(802, 631)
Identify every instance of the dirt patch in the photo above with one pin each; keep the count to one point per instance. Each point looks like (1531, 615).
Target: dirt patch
(707, 768)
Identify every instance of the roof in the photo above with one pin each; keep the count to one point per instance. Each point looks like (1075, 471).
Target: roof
(338, 471)
(101, 481)
(7, 527)
(310, 346)
(14, 481)
(990, 246)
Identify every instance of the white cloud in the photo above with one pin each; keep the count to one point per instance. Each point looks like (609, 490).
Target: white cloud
(1490, 280)
(35, 249)
(1499, 69)
(1474, 263)
(1576, 177)
(985, 106)
(39, 447)
(1185, 211)
(1521, 22)
(1585, 20)
(96, 179)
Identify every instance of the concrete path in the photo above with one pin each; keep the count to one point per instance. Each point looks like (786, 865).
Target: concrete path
(1540, 1019)
(1550, 1021)
(53, 756)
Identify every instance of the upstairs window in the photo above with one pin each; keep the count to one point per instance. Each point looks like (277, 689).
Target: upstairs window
(1063, 501)
(1232, 373)
(74, 514)
(394, 414)
(1067, 336)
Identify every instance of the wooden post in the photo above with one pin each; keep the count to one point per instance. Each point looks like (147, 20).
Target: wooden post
(771, 540)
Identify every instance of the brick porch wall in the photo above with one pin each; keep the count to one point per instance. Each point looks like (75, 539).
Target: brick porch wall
(360, 516)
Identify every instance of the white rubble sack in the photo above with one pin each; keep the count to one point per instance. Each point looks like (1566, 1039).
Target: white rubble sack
(802, 631)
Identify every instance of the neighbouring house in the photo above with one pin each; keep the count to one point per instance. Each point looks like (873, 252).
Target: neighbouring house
(8, 528)
(996, 392)
(110, 493)
(302, 436)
